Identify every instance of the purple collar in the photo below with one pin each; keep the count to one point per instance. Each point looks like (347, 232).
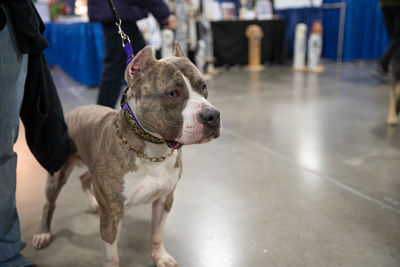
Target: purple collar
(134, 124)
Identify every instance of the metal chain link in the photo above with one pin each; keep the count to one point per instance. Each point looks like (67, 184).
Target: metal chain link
(137, 152)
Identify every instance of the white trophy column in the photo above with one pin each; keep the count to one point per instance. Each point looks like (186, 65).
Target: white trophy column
(299, 54)
(315, 48)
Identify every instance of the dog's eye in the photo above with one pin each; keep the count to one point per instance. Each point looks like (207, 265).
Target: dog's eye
(173, 94)
(204, 88)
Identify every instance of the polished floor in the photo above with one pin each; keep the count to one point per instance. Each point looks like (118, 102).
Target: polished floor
(306, 173)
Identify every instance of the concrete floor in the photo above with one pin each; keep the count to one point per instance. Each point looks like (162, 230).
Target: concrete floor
(306, 173)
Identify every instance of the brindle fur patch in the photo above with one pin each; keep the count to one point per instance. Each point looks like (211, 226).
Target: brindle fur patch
(108, 169)
(187, 68)
(155, 111)
(168, 202)
(86, 180)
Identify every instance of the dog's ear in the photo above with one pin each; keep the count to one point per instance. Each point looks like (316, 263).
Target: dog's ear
(140, 63)
(178, 50)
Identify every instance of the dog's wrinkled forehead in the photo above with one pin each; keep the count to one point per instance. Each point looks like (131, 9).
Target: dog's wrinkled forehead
(149, 78)
(190, 71)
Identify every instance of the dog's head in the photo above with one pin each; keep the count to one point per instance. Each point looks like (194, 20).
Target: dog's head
(169, 98)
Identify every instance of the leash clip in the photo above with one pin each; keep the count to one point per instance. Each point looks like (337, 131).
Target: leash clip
(126, 42)
(125, 38)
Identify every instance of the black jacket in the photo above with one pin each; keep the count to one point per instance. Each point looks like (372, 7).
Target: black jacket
(41, 112)
(128, 10)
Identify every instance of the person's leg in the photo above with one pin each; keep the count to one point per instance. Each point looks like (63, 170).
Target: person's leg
(387, 55)
(132, 30)
(114, 62)
(13, 68)
(113, 67)
(392, 20)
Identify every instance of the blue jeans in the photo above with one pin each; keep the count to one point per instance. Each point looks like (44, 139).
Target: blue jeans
(13, 70)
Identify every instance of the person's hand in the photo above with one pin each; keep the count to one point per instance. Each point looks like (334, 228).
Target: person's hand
(170, 22)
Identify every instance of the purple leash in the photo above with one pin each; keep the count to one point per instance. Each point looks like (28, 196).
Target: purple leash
(127, 46)
(129, 52)
(126, 42)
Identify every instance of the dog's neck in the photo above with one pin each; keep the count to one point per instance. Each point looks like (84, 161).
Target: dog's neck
(146, 147)
(129, 110)
(156, 150)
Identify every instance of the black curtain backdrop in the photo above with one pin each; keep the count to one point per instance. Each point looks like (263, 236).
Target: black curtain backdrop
(231, 44)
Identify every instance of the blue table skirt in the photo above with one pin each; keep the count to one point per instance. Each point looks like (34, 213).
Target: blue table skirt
(365, 34)
(77, 48)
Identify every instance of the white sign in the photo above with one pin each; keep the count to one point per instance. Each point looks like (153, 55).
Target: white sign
(44, 12)
(283, 4)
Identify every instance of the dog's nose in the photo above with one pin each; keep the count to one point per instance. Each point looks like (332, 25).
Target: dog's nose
(210, 117)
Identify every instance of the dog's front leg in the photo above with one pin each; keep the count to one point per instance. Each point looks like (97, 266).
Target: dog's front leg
(111, 214)
(110, 250)
(160, 211)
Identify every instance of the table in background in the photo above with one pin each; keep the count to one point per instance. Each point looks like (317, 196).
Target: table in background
(77, 48)
(231, 44)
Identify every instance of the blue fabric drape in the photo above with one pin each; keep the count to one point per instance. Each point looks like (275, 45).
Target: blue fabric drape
(330, 25)
(77, 48)
(292, 16)
(365, 34)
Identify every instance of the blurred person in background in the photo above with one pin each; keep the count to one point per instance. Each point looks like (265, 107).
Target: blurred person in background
(27, 90)
(114, 61)
(391, 14)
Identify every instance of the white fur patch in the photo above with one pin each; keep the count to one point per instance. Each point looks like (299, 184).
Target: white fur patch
(192, 129)
(151, 181)
(110, 251)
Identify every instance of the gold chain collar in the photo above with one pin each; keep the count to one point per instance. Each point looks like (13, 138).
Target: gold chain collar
(137, 152)
(135, 126)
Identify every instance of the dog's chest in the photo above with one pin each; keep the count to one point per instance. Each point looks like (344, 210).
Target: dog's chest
(151, 180)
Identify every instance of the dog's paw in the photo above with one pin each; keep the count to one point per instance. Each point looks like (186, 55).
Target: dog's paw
(163, 259)
(41, 240)
(166, 261)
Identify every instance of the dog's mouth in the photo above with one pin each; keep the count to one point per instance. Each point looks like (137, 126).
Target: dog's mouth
(204, 139)
(173, 144)
(207, 138)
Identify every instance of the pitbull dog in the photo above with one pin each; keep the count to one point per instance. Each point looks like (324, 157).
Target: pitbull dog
(133, 155)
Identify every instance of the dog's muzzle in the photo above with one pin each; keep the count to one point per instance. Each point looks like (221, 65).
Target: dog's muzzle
(211, 120)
